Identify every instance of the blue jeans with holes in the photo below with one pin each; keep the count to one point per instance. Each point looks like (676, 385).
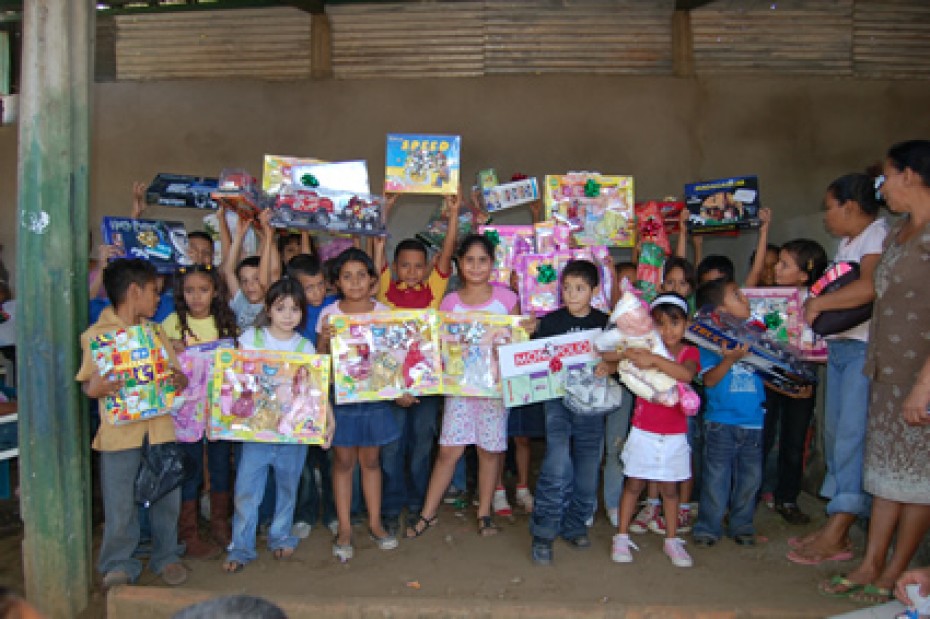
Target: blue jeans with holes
(405, 463)
(732, 477)
(566, 491)
(256, 460)
(845, 420)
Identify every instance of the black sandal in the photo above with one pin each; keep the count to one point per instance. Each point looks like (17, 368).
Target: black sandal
(417, 529)
(486, 526)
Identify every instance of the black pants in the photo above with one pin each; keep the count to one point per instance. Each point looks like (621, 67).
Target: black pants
(788, 419)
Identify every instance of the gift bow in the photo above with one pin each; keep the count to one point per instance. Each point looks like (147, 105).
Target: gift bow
(309, 180)
(494, 236)
(773, 320)
(592, 188)
(545, 274)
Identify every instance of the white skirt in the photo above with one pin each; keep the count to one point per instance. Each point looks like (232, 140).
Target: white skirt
(656, 457)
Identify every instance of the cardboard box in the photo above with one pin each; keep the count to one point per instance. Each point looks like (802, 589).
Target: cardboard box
(780, 312)
(488, 179)
(469, 343)
(191, 407)
(509, 242)
(723, 204)
(425, 164)
(163, 243)
(598, 208)
(181, 190)
(338, 212)
(508, 195)
(536, 371)
(277, 171)
(269, 397)
(382, 356)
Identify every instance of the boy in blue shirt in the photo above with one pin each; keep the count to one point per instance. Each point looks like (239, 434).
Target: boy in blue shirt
(733, 429)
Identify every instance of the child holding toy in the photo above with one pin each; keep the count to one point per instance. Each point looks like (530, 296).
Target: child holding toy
(361, 428)
(202, 315)
(471, 421)
(417, 286)
(243, 278)
(657, 449)
(285, 308)
(131, 288)
(566, 491)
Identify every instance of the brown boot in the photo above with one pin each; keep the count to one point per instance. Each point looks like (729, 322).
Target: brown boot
(219, 518)
(189, 534)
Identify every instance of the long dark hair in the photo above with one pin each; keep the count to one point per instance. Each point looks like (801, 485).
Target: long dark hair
(858, 188)
(287, 287)
(223, 316)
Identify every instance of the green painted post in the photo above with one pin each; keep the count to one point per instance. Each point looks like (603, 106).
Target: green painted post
(54, 151)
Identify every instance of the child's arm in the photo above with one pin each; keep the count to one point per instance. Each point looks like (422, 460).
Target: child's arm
(857, 293)
(605, 368)
(138, 200)
(305, 247)
(231, 253)
(453, 203)
(105, 252)
(730, 356)
(698, 242)
(915, 406)
(681, 247)
(758, 263)
(98, 386)
(377, 254)
(324, 336)
(269, 262)
(536, 211)
(642, 358)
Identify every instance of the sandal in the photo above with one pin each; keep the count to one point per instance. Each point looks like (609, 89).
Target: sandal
(416, 530)
(486, 526)
(872, 595)
(282, 553)
(233, 567)
(838, 587)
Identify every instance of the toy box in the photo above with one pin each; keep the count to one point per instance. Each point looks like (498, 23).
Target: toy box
(239, 192)
(329, 210)
(780, 312)
(600, 256)
(277, 170)
(723, 204)
(339, 175)
(551, 236)
(512, 194)
(434, 234)
(537, 370)
(163, 243)
(136, 356)
(190, 409)
(382, 356)
(422, 164)
(269, 397)
(539, 282)
(181, 190)
(509, 242)
(469, 342)
(487, 179)
(598, 208)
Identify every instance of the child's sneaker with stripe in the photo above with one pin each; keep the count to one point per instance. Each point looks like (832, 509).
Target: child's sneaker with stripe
(645, 518)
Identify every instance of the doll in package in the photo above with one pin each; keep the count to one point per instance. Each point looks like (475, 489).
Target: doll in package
(509, 242)
(539, 283)
(469, 342)
(190, 406)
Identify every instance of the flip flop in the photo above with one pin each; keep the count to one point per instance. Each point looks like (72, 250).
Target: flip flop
(838, 587)
(872, 595)
(796, 557)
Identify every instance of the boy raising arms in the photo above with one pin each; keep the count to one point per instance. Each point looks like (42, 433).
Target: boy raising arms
(418, 286)
(131, 288)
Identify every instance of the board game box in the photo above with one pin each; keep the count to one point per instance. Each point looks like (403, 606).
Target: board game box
(723, 204)
(163, 243)
(426, 164)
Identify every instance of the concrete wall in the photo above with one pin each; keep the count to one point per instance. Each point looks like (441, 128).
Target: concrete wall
(796, 134)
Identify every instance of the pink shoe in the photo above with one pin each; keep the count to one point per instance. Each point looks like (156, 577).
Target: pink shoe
(675, 551)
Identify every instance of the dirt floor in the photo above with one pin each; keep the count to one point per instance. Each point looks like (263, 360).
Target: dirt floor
(451, 562)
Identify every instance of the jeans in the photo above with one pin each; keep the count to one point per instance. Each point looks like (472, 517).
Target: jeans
(257, 459)
(405, 463)
(618, 426)
(789, 419)
(732, 477)
(566, 491)
(845, 421)
(218, 453)
(118, 471)
(311, 501)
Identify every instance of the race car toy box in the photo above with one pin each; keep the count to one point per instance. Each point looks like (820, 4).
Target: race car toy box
(427, 164)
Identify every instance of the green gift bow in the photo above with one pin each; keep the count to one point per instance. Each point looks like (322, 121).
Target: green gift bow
(309, 180)
(494, 236)
(773, 320)
(545, 274)
(592, 188)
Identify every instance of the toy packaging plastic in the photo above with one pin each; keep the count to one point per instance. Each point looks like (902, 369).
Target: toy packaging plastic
(509, 242)
(600, 256)
(511, 194)
(239, 192)
(278, 170)
(780, 313)
(469, 342)
(269, 397)
(537, 370)
(598, 208)
(649, 270)
(669, 211)
(778, 364)
(650, 226)
(382, 356)
(136, 356)
(349, 176)
(539, 282)
(723, 204)
(551, 236)
(163, 243)
(434, 234)
(181, 190)
(422, 164)
(316, 208)
(190, 409)
(487, 179)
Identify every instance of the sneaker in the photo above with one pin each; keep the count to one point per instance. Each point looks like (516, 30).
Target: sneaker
(453, 495)
(613, 517)
(524, 499)
(391, 524)
(684, 520)
(620, 551)
(769, 499)
(582, 542)
(333, 526)
(657, 524)
(116, 578)
(388, 542)
(745, 539)
(675, 551)
(703, 541)
(301, 529)
(500, 505)
(792, 514)
(541, 551)
(174, 574)
(589, 522)
(646, 515)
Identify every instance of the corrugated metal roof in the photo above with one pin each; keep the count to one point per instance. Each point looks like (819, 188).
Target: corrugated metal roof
(891, 38)
(776, 36)
(269, 43)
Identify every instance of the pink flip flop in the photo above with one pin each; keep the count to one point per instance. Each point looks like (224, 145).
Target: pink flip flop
(843, 555)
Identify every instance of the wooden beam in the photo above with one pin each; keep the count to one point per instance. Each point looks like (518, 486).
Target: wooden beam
(321, 47)
(682, 44)
(690, 5)
(54, 155)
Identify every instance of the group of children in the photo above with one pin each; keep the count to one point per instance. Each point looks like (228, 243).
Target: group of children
(281, 300)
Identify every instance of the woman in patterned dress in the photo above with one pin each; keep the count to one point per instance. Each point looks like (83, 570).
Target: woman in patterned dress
(896, 469)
